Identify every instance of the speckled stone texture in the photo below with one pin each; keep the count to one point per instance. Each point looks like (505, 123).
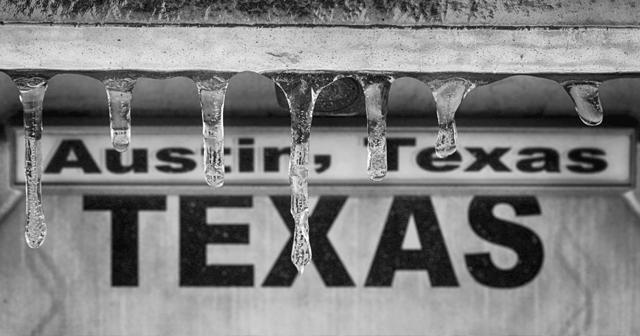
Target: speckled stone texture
(326, 12)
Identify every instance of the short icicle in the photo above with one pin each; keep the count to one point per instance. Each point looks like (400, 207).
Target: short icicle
(212, 92)
(119, 96)
(586, 100)
(301, 93)
(376, 92)
(448, 95)
(32, 92)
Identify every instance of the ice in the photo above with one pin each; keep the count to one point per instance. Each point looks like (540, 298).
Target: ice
(301, 92)
(119, 96)
(212, 92)
(448, 95)
(587, 101)
(301, 250)
(32, 96)
(376, 92)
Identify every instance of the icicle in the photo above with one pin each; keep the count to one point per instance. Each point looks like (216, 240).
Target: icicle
(448, 95)
(32, 96)
(376, 92)
(212, 92)
(119, 96)
(587, 101)
(301, 100)
(301, 94)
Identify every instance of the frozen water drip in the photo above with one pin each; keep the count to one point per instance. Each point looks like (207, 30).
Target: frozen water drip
(586, 100)
(212, 93)
(301, 99)
(301, 93)
(448, 94)
(376, 92)
(119, 96)
(32, 92)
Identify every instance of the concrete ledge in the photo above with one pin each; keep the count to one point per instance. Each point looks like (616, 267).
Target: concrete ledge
(341, 49)
(481, 54)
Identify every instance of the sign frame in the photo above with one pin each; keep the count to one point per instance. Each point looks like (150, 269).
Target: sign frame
(342, 188)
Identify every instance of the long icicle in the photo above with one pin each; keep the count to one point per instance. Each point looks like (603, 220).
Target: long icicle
(376, 93)
(212, 93)
(448, 95)
(119, 96)
(301, 116)
(32, 92)
(301, 94)
(586, 100)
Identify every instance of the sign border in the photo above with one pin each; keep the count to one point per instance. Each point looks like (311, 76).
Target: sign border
(340, 187)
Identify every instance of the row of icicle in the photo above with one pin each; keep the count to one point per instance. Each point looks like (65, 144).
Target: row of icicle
(301, 92)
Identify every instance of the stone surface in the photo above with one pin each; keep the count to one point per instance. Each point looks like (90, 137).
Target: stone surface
(326, 12)
(343, 50)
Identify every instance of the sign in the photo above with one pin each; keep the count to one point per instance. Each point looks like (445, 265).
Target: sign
(403, 264)
(201, 234)
(259, 156)
(182, 260)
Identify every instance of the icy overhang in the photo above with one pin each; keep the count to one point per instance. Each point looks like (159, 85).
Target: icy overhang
(483, 55)
(484, 41)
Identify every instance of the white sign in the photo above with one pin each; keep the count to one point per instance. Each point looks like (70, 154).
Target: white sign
(259, 156)
(171, 262)
(204, 264)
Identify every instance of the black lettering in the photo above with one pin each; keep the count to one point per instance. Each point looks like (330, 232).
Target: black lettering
(524, 242)
(491, 159)
(245, 155)
(196, 233)
(124, 231)
(433, 257)
(323, 162)
(168, 155)
(139, 164)
(393, 145)
(428, 160)
(588, 162)
(272, 158)
(548, 160)
(325, 257)
(83, 160)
